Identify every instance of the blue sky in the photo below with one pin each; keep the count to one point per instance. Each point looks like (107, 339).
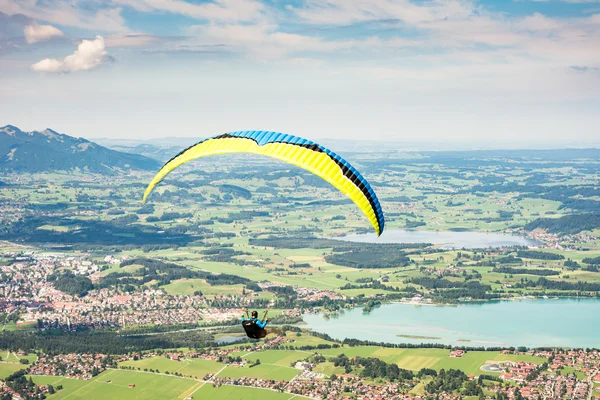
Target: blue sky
(495, 73)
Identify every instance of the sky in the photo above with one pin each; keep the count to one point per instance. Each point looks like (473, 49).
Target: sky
(504, 73)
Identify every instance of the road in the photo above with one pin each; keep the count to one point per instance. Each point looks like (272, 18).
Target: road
(590, 381)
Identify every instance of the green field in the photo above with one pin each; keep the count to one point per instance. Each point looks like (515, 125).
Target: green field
(11, 362)
(189, 286)
(194, 367)
(304, 340)
(114, 384)
(7, 368)
(282, 358)
(328, 369)
(415, 359)
(264, 371)
(240, 393)
(21, 326)
(148, 386)
(276, 364)
(571, 370)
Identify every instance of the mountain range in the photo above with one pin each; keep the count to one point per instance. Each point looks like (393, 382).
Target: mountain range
(48, 150)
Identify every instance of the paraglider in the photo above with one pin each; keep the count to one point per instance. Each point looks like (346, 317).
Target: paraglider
(254, 327)
(291, 149)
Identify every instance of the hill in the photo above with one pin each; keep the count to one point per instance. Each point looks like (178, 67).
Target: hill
(161, 153)
(49, 150)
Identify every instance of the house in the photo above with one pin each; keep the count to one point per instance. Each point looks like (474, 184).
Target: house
(131, 385)
(506, 376)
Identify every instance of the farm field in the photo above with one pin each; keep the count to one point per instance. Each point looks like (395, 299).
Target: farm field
(262, 371)
(11, 362)
(196, 368)
(415, 359)
(148, 386)
(241, 393)
(8, 368)
(115, 384)
(276, 364)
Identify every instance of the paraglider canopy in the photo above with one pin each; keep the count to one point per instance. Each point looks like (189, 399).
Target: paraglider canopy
(294, 150)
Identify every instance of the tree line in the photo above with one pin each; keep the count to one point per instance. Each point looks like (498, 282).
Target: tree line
(525, 271)
(560, 285)
(102, 341)
(539, 255)
(568, 224)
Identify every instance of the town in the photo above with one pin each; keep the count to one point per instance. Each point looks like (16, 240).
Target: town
(567, 374)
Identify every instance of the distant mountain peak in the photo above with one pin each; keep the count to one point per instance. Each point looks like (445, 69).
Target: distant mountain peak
(10, 130)
(49, 150)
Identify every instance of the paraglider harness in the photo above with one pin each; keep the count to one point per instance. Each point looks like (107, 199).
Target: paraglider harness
(251, 327)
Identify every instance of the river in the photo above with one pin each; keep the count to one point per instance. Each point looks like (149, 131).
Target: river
(541, 322)
(449, 240)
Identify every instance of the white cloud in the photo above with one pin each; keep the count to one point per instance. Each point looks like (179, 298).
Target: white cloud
(464, 24)
(340, 12)
(219, 10)
(263, 40)
(67, 13)
(538, 22)
(267, 41)
(39, 33)
(90, 54)
(132, 40)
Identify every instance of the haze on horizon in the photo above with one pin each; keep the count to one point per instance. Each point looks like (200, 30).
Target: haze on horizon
(472, 73)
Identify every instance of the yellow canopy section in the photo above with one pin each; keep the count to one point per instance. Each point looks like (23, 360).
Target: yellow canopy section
(290, 149)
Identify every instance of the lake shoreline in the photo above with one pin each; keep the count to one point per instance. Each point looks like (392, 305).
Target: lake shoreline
(449, 240)
(518, 298)
(530, 322)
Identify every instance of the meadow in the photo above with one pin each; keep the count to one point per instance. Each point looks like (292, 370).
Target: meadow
(412, 359)
(193, 367)
(148, 386)
(11, 362)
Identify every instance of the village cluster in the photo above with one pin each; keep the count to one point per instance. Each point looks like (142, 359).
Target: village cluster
(569, 374)
(29, 293)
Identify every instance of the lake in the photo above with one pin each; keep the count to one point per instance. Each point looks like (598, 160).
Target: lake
(229, 339)
(450, 240)
(531, 323)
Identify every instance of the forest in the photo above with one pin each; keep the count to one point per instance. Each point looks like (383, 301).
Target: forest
(560, 285)
(525, 271)
(75, 285)
(446, 381)
(539, 255)
(568, 224)
(369, 257)
(101, 341)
